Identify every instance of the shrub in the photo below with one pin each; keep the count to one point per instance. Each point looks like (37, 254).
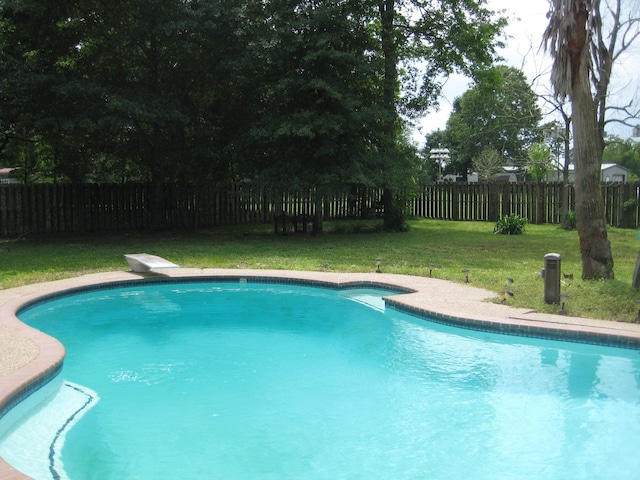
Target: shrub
(510, 225)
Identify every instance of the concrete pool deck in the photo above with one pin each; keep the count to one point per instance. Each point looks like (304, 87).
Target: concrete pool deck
(28, 357)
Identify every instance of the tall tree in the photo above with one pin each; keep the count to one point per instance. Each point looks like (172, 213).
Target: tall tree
(109, 83)
(429, 40)
(204, 90)
(393, 218)
(500, 111)
(37, 100)
(315, 120)
(581, 58)
(559, 138)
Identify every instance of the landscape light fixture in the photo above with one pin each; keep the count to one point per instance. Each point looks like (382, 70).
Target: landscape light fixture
(466, 275)
(507, 295)
(431, 267)
(638, 307)
(509, 281)
(378, 262)
(564, 299)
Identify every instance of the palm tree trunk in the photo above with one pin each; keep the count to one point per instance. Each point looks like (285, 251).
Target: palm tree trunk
(595, 249)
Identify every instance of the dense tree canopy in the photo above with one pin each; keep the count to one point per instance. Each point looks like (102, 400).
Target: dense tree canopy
(317, 114)
(300, 92)
(110, 88)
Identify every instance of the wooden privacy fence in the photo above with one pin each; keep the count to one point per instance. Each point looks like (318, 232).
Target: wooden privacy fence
(85, 208)
(537, 202)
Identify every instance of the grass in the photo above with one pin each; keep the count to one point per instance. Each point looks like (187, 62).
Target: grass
(353, 247)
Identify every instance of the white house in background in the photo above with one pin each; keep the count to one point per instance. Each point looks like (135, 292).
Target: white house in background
(612, 172)
(509, 174)
(609, 173)
(472, 177)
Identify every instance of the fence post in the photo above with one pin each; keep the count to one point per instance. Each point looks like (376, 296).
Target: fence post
(539, 215)
(494, 202)
(507, 206)
(455, 205)
(629, 205)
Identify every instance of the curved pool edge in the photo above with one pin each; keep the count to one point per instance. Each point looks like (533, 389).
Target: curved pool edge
(19, 384)
(443, 301)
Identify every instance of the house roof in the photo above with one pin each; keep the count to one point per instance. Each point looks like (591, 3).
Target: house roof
(604, 166)
(607, 166)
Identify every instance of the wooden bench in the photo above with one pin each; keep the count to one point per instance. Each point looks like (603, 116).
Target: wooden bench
(292, 223)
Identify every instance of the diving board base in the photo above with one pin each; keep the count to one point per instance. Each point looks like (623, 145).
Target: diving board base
(144, 262)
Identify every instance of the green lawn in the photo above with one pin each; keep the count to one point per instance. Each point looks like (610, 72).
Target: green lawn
(452, 246)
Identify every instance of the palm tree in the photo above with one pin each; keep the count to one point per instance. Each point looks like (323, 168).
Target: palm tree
(573, 24)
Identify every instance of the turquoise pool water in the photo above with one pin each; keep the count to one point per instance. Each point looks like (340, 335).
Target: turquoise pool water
(258, 381)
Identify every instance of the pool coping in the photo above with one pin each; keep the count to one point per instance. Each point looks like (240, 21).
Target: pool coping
(35, 358)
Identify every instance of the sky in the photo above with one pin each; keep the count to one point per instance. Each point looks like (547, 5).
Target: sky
(527, 22)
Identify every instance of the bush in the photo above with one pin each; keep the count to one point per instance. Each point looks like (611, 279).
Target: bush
(510, 225)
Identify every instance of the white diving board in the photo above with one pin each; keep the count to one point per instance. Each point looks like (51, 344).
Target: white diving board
(144, 262)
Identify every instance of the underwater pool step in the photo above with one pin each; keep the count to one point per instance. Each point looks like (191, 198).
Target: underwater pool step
(34, 446)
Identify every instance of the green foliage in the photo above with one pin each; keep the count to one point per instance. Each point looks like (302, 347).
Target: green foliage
(299, 91)
(499, 111)
(510, 225)
(317, 113)
(539, 163)
(434, 39)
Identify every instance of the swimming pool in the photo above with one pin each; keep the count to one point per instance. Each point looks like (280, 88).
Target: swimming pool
(308, 383)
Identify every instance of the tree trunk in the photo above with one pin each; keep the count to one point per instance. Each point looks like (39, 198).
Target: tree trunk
(565, 174)
(392, 219)
(318, 214)
(595, 249)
